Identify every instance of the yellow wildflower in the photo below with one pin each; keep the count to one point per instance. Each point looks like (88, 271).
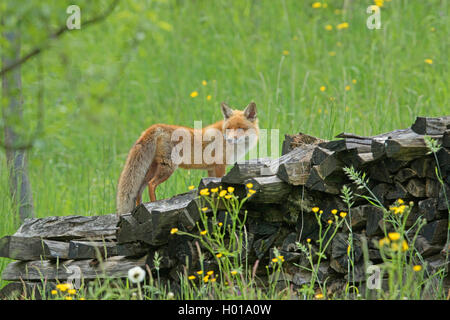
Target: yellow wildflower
(214, 190)
(405, 245)
(220, 224)
(204, 82)
(348, 249)
(234, 272)
(231, 189)
(219, 255)
(251, 191)
(191, 277)
(222, 193)
(319, 296)
(347, 88)
(343, 214)
(191, 187)
(334, 211)
(54, 292)
(281, 258)
(308, 240)
(343, 25)
(394, 236)
(204, 192)
(384, 241)
(249, 185)
(200, 272)
(417, 268)
(203, 232)
(210, 272)
(194, 94)
(316, 5)
(69, 298)
(328, 27)
(429, 61)
(208, 97)
(204, 209)
(332, 53)
(330, 221)
(228, 196)
(72, 291)
(323, 88)
(205, 279)
(315, 209)
(285, 52)
(64, 286)
(274, 260)
(354, 81)
(379, 3)
(173, 230)
(400, 201)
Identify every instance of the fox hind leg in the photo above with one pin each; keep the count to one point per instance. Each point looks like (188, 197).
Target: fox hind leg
(162, 172)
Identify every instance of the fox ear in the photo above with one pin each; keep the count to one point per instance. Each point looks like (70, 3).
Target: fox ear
(226, 110)
(250, 111)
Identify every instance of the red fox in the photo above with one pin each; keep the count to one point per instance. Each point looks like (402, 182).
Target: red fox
(156, 154)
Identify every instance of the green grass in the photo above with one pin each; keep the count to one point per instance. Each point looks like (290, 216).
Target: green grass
(102, 91)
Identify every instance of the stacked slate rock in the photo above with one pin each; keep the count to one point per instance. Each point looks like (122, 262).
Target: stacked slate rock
(308, 174)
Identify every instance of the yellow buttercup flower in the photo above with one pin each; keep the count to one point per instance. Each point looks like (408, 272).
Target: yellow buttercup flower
(191, 277)
(205, 279)
(63, 287)
(200, 272)
(308, 240)
(319, 296)
(315, 209)
(343, 25)
(234, 272)
(219, 255)
(204, 82)
(347, 88)
(328, 27)
(323, 88)
(400, 201)
(417, 268)
(72, 291)
(210, 273)
(354, 81)
(214, 190)
(316, 5)
(429, 61)
(173, 230)
(191, 187)
(222, 193)
(231, 189)
(251, 191)
(194, 94)
(285, 52)
(249, 185)
(405, 246)
(394, 236)
(343, 214)
(384, 241)
(204, 192)
(334, 211)
(204, 209)
(274, 260)
(53, 292)
(203, 232)
(228, 196)
(330, 221)
(208, 97)
(69, 298)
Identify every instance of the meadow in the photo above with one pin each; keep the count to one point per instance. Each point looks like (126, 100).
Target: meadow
(309, 68)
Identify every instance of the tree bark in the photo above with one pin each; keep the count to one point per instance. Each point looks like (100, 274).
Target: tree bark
(16, 158)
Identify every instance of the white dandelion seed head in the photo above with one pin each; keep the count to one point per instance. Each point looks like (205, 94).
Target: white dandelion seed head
(136, 274)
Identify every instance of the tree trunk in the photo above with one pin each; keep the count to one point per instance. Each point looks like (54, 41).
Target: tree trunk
(16, 158)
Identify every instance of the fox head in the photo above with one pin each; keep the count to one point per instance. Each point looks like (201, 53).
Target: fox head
(239, 126)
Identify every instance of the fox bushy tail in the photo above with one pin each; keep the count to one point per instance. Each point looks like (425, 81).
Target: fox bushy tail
(132, 178)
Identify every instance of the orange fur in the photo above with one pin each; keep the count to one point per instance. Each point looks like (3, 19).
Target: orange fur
(149, 161)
